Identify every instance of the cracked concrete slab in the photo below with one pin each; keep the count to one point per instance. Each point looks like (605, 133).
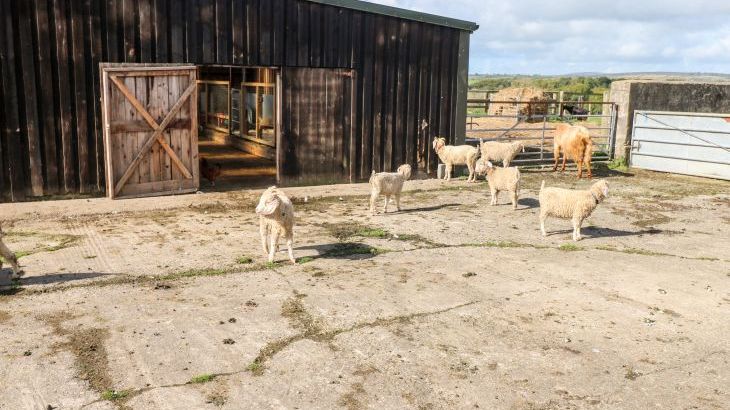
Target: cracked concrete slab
(449, 304)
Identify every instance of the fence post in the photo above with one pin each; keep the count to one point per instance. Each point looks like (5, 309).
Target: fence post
(542, 143)
(561, 94)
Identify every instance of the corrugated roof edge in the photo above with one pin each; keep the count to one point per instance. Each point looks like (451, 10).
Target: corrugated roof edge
(401, 13)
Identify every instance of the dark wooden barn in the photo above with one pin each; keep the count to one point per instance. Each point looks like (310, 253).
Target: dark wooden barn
(112, 95)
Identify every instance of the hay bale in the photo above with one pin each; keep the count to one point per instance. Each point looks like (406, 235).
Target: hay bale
(518, 94)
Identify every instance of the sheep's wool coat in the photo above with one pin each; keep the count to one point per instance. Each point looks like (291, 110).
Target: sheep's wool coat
(500, 151)
(503, 179)
(572, 204)
(276, 211)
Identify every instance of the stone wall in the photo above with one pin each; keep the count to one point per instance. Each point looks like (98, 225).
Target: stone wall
(632, 95)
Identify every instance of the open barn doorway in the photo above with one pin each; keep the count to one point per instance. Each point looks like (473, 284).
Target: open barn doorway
(238, 108)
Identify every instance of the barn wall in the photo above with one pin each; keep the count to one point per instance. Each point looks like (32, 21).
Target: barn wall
(405, 75)
(632, 95)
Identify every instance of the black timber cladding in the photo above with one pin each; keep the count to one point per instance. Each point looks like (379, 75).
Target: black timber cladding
(406, 75)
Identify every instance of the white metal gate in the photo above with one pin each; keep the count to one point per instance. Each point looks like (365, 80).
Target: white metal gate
(682, 143)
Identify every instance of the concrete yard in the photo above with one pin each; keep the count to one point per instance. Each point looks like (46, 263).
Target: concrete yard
(451, 304)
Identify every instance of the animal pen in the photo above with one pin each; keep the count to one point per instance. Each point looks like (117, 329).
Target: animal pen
(535, 127)
(126, 96)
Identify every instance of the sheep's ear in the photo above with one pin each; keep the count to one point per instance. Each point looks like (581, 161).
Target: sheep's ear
(489, 164)
(605, 190)
(268, 207)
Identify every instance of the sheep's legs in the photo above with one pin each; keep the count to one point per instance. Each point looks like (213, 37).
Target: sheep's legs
(472, 174)
(289, 243)
(373, 197)
(588, 168)
(397, 202)
(556, 157)
(579, 163)
(264, 232)
(543, 217)
(514, 199)
(273, 245)
(495, 195)
(10, 257)
(565, 160)
(448, 172)
(576, 230)
(387, 200)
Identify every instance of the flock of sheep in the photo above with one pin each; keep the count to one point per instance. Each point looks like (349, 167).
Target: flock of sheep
(276, 211)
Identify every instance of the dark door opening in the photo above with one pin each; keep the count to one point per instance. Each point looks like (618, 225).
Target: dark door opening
(238, 127)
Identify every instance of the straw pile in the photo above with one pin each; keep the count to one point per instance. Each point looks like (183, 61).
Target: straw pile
(518, 94)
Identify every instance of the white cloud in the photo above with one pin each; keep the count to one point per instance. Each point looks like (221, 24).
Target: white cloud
(543, 37)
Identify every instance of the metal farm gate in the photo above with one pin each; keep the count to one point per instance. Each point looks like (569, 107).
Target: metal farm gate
(534, 122)
(682, 143)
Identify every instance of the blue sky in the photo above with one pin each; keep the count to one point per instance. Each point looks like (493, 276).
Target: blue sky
(569, 36)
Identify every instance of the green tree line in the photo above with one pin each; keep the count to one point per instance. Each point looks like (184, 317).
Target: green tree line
(579, 85)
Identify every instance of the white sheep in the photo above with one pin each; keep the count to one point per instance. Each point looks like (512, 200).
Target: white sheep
(576, 205)
(276, 219)
(456, 155)
(9, 257)
(500, 179)
(500, 151)
(388, 184)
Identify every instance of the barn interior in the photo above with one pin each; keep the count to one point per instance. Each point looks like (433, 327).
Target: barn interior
(237, 126)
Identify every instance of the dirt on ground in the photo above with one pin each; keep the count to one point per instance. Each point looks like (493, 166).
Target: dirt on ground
(451, 303)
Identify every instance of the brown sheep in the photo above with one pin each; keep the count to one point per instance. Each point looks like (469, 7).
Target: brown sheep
(575, 142)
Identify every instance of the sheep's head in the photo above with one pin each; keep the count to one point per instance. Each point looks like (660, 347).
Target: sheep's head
(519, 147)
(600, 189)
(405, 170)
(438, 143)
(269, 202)
(483, 167)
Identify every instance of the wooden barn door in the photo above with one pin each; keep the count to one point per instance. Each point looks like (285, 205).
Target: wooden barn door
(315, 135)
(150, 130)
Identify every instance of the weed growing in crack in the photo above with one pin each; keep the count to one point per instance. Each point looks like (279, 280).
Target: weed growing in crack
(569, 247)
(244, 260)
(373, 233)
(203, 378)
(256, 367)
(193, 273)
(353, 249)
(305, 260)
(114, 395)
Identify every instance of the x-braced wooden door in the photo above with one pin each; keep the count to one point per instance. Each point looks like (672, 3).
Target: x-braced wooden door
(150, 129)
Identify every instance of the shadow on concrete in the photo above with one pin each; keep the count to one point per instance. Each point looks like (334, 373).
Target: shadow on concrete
(422, 209)
(344, 250)
(592, 232)
(49, 279)
(530, 203)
